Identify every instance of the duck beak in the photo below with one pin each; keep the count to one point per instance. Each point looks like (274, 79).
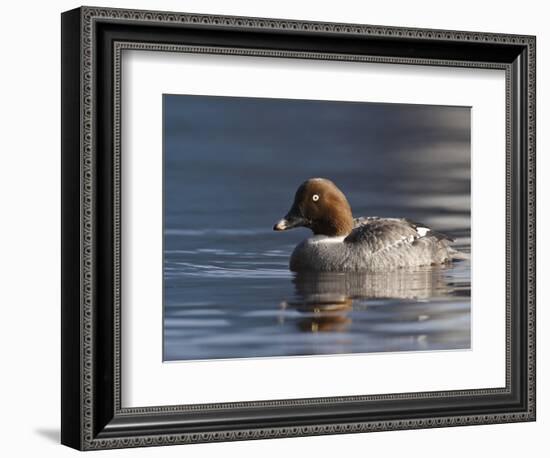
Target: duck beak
(292, 219)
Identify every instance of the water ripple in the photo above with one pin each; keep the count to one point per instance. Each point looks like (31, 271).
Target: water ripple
(216, 271)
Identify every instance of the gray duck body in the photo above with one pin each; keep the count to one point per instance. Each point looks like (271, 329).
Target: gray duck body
(375, 244)
(342, 243)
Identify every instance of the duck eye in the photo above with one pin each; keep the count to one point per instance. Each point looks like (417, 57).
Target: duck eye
(315, 197)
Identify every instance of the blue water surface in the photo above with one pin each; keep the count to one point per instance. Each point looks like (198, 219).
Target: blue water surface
(231, 167)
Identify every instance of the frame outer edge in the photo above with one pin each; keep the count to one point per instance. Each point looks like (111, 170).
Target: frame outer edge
(71, 306)
(88, 210)
(296, 25)
(531, 229)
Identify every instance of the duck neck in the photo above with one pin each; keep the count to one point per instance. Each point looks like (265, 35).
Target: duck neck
(338, 226)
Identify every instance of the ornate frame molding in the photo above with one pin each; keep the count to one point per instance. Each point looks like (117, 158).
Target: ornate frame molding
(89, 436)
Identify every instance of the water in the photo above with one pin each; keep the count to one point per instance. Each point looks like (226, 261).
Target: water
(232, 166)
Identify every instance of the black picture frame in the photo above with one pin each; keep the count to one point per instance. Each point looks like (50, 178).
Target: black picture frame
(92, 416)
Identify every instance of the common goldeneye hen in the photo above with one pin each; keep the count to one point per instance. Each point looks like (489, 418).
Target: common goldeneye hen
(342, 243)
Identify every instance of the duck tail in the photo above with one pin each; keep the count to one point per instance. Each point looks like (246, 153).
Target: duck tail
(456, 255)
(439, 236)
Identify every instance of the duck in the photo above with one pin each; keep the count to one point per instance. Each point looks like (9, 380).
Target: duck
(344, 243)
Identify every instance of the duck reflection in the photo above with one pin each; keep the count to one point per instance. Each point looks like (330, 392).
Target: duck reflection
(326, 299)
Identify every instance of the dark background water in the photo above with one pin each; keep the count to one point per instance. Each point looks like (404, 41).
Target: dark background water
(232, 166)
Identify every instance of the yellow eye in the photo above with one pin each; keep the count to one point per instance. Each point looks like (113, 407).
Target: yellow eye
(315, 197)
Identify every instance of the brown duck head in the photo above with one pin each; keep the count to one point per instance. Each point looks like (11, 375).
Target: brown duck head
(320, 206)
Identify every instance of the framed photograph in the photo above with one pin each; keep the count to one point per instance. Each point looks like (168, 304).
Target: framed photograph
(277, 228)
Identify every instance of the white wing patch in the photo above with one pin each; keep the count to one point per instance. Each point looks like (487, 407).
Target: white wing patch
(422, 231)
